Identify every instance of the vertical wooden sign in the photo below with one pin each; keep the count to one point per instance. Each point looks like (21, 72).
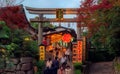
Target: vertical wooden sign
(77, 52)
(79, 49)
(42, 52)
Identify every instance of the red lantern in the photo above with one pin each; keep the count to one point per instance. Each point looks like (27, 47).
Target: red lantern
(66, 38)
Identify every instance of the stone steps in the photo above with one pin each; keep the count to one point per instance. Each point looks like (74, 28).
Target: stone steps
(102, 68)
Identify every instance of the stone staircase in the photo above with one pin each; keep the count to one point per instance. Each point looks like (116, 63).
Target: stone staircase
(102, 68)
(71, 65)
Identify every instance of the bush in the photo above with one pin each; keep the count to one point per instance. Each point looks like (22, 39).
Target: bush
(116, 63)
(78, 72)
(78, 66)
(40, 65)
(98, 56)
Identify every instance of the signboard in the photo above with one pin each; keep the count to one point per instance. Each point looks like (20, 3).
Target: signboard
(77, 51)
(74, 51)
(59, 14)
(79, 48)
(42, 52)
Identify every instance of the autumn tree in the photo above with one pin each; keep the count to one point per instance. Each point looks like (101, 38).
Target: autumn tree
(88, 14)
(101, 17)
(14, 16)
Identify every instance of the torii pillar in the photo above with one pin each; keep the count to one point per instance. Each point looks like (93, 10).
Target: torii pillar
(40, 30)
(78, 30)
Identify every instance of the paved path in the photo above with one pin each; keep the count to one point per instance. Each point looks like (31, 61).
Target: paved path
(102, 68)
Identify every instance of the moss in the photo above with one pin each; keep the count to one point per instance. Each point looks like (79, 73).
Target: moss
(117, 66)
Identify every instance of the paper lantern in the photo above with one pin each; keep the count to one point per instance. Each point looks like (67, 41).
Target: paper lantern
(66, 38)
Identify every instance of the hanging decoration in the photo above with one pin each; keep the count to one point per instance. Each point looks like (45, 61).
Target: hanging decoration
(61, 42)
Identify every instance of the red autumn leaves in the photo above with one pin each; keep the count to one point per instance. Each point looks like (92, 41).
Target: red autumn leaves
(87, 13)
(13, 16)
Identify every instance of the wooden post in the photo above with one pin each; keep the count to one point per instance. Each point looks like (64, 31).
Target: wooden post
(78, 30)
(40, 30)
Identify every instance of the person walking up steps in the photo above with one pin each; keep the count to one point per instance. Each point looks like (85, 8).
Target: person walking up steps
(67, 53)
(63, 61)
(68, 70)
(48, 67)
(61, 70)
(55, 65)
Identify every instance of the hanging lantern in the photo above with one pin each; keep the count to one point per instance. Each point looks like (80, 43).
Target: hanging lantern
(66, 38)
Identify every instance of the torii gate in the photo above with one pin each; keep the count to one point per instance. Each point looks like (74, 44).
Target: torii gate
(49, 11)
(53, 11)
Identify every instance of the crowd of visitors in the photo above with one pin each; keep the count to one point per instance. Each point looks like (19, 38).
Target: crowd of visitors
(58, 65)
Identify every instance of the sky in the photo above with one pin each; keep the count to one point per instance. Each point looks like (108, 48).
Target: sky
(51, 4)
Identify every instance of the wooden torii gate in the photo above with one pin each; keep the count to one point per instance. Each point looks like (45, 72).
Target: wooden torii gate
(53, 11)
(49, 11)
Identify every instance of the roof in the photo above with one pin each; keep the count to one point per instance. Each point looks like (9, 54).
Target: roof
(60, 29)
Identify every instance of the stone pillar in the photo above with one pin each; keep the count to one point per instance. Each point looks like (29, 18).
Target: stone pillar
(40, 30)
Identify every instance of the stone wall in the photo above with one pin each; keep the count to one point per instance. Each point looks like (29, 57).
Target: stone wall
(22, 65)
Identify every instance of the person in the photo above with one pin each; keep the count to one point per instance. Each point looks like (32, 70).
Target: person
(48, 67)
(55, 65)
(67, 53)
(63, 61)
(49, 63)
(61, 70)
(68, 70)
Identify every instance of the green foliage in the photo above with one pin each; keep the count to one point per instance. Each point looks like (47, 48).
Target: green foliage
(35, 25)
(40, 65)
(78, 72)
(116, 64)
(47, 24)
(107, 38)
(97, 56)
(77, 65)
(104, 44)
(2, 63)
(14, 44)
(78, 68)
(30, 48)
(103, 38)
(4, 31)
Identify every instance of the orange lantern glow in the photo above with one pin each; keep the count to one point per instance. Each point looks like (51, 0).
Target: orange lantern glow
(55, 38)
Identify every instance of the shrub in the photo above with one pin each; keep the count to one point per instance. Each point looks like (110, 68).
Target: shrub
(78, 66)
(78, 72)
(40, 65)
